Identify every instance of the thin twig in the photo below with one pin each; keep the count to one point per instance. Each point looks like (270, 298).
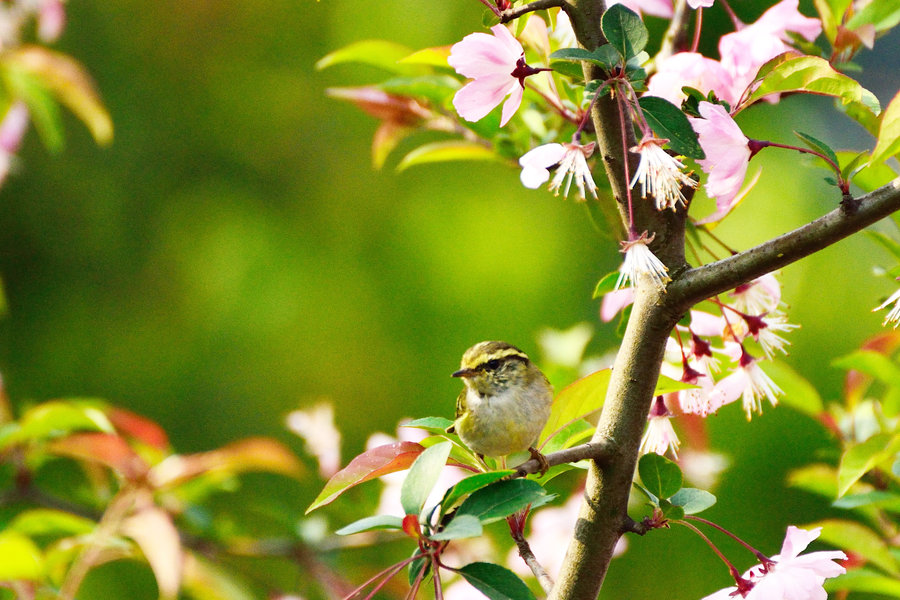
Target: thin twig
(531, 560)
(714, 278)
(597, 451)
(517, 11)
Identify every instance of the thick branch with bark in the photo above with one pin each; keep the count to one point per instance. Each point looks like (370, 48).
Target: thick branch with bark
(603, 516)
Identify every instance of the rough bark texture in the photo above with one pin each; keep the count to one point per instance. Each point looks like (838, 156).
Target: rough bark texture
(603, 514)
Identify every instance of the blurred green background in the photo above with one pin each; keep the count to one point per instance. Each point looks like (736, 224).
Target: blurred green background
(233, 256)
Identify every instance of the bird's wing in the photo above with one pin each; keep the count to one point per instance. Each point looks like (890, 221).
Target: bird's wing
(461, 403)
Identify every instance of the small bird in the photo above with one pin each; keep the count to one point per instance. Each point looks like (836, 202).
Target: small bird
(505, 402)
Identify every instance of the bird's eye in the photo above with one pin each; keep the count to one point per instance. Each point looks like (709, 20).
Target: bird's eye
(493, 364)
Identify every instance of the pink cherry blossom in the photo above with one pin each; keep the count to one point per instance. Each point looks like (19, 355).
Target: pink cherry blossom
(615, 301)
(51, 20)
(656, 8)
(694, 70)
(496, 65)
(762, 295)
(789, 576)
(700, 3)
(744, 51)
(727, 154)
(748, 382)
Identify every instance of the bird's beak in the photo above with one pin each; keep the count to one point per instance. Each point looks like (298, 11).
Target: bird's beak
(464, 373)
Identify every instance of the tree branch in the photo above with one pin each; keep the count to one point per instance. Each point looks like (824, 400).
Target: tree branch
(517, 11)
(597, 450)
(531, 560)
(699, 284)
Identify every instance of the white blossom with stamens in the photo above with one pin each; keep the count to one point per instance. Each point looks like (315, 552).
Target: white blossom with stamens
(640, 260)
(660, 436)
(893, 315)
(571, 165)
(660, 174)
(768, 336)
(750, 383)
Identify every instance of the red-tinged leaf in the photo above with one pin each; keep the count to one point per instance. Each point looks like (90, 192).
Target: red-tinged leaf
(411, 526)
(856, 382)
(790, 72)
(153, 531)
(104, 448)
(373, 463)
(139, 427)
(252, 454)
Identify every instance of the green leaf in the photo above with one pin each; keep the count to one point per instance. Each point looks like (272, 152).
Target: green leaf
(604, 56)
(811, 74)
(817, 145)
(667, 385)
(422, 477)
(469, 485)
(876, 498)
(502, 499)
(862, 458)
(667, 121)
(55, 419)
(671, 511)
(373, 463)
(435, 88)
(881, 15)
(69, 83)
(865, 581)
(888, 132)
(419, 568)
(886, 242)
(436, 425)
(372, 523)
(660, 476)
(692, 500)
(864, 174)
(624, 30)
(576, 401)
(43, 110)
(570, 435)
(433, 57)
(817, 479)
(462, 526)
(606, 285)
(798, 392)
(651, 498)
(495, 582)
(446, 151)
(871, 363)
(858, 539)
(39, 522)
(20, 558)
(376, 53)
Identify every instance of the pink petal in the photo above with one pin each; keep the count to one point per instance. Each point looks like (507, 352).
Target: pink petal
(479, 97)
(512, 103)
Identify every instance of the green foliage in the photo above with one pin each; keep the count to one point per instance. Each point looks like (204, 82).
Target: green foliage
(503, 498)
(495, 582)
(368, 465)
(810, 74)
(888, 132)
(624, 30)
(668, 122)
(660, 476)
(422, 477)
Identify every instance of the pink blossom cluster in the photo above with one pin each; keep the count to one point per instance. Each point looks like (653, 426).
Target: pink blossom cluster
(722, 352)
(788, 576)
(741, 53)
